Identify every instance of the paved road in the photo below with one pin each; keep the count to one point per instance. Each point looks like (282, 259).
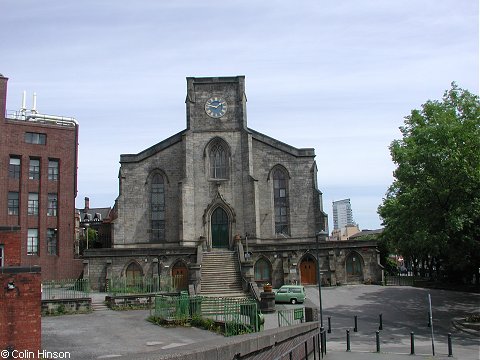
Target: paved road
(108, 334)
(403, 309)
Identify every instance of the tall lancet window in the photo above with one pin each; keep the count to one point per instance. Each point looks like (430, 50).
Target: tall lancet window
(280, 198)
(157, 208)
(218, 162)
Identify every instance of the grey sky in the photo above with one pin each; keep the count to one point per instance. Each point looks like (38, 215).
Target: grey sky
(338, 76)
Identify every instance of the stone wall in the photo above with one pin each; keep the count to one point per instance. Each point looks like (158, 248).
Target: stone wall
(66, 306)
(268, 344)
(103, 264)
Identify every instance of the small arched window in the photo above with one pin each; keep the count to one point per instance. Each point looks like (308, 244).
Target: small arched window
(157, 208)
(218, 161)
(134, 274)
(262, 271)
(280, 200)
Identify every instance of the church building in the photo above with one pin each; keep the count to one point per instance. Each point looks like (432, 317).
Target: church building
(223, 206)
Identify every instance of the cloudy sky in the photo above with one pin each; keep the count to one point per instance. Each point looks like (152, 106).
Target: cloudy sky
(338, 76)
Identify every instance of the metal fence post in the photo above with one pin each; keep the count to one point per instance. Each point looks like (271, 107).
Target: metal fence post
(348, 340)
(329, 325)
(412, 343)
(377, 338)
(450, 352)
(355, 329)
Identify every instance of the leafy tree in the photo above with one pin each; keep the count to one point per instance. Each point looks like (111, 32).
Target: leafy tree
(431, 212)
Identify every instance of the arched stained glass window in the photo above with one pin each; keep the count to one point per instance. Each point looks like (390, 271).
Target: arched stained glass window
(280, 199)
(157, 208)
(218, 161)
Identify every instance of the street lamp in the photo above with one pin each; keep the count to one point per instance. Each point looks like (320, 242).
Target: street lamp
(319, 234)
(86, 224)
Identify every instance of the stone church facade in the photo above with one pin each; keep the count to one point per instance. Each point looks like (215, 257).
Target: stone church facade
(219, 186)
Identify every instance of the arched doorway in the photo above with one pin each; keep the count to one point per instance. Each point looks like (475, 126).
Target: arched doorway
(180, 276)
(220, 236)
(262, 271)
(354, 267)
(134, 274)
(308, 271)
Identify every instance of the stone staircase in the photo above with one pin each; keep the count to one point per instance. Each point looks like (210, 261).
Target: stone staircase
(220, 274)
(98, 303)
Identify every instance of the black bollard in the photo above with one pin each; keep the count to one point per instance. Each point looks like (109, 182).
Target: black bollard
(380, 326)
(450, 352)
(355, 329)
(329, 326)
(377, 338)
(412, 343)
(348, 340)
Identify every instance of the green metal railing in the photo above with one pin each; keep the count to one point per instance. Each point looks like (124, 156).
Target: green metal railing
(290, 317)
(238, 315)
(65, 289)
(143, 285)
(399, 280)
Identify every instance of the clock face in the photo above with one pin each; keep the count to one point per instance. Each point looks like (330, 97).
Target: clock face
(216, 107)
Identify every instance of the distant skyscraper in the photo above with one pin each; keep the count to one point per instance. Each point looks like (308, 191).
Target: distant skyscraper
(342, 214)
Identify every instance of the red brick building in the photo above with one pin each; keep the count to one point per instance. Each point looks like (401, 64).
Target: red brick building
(38, 186)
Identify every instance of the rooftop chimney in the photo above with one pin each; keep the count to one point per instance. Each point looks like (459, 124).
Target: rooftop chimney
(3, 96)
(87, 204)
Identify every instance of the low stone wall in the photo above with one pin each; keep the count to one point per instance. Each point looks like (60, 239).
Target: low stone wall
(66, 306)
(263, 345)
(136, 301)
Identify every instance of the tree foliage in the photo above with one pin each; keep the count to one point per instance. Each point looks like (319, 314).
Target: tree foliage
(431, 211)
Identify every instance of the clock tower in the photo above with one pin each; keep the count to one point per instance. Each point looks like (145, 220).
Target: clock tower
(216, 103)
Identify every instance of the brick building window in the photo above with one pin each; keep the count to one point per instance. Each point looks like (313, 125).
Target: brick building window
(13, 203)
(35, 138)
(53, 170)
(280, 199)
(32, 242)
(218, 161)
(157, 208)
(52, 241)
(52, 204)
(14, 168)
(32, 203)
(34, 169)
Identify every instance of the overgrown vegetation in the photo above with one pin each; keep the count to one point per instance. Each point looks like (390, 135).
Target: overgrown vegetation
(204, 323)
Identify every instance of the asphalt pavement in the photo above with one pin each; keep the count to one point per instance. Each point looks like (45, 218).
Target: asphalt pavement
(109, 334)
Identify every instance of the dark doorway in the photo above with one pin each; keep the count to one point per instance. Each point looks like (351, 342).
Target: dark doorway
(134, 275)
(220, 229)
(308, 271)
(354, 268)
(180, 277)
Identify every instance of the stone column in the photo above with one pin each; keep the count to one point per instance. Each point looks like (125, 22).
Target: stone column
(267, 302)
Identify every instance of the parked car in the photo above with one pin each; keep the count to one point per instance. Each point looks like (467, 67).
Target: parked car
(290, 293)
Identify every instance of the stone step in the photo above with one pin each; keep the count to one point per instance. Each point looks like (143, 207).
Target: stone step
(220, 274)
(99, 307)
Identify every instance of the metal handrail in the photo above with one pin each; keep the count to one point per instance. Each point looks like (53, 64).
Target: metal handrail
(319, 346)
